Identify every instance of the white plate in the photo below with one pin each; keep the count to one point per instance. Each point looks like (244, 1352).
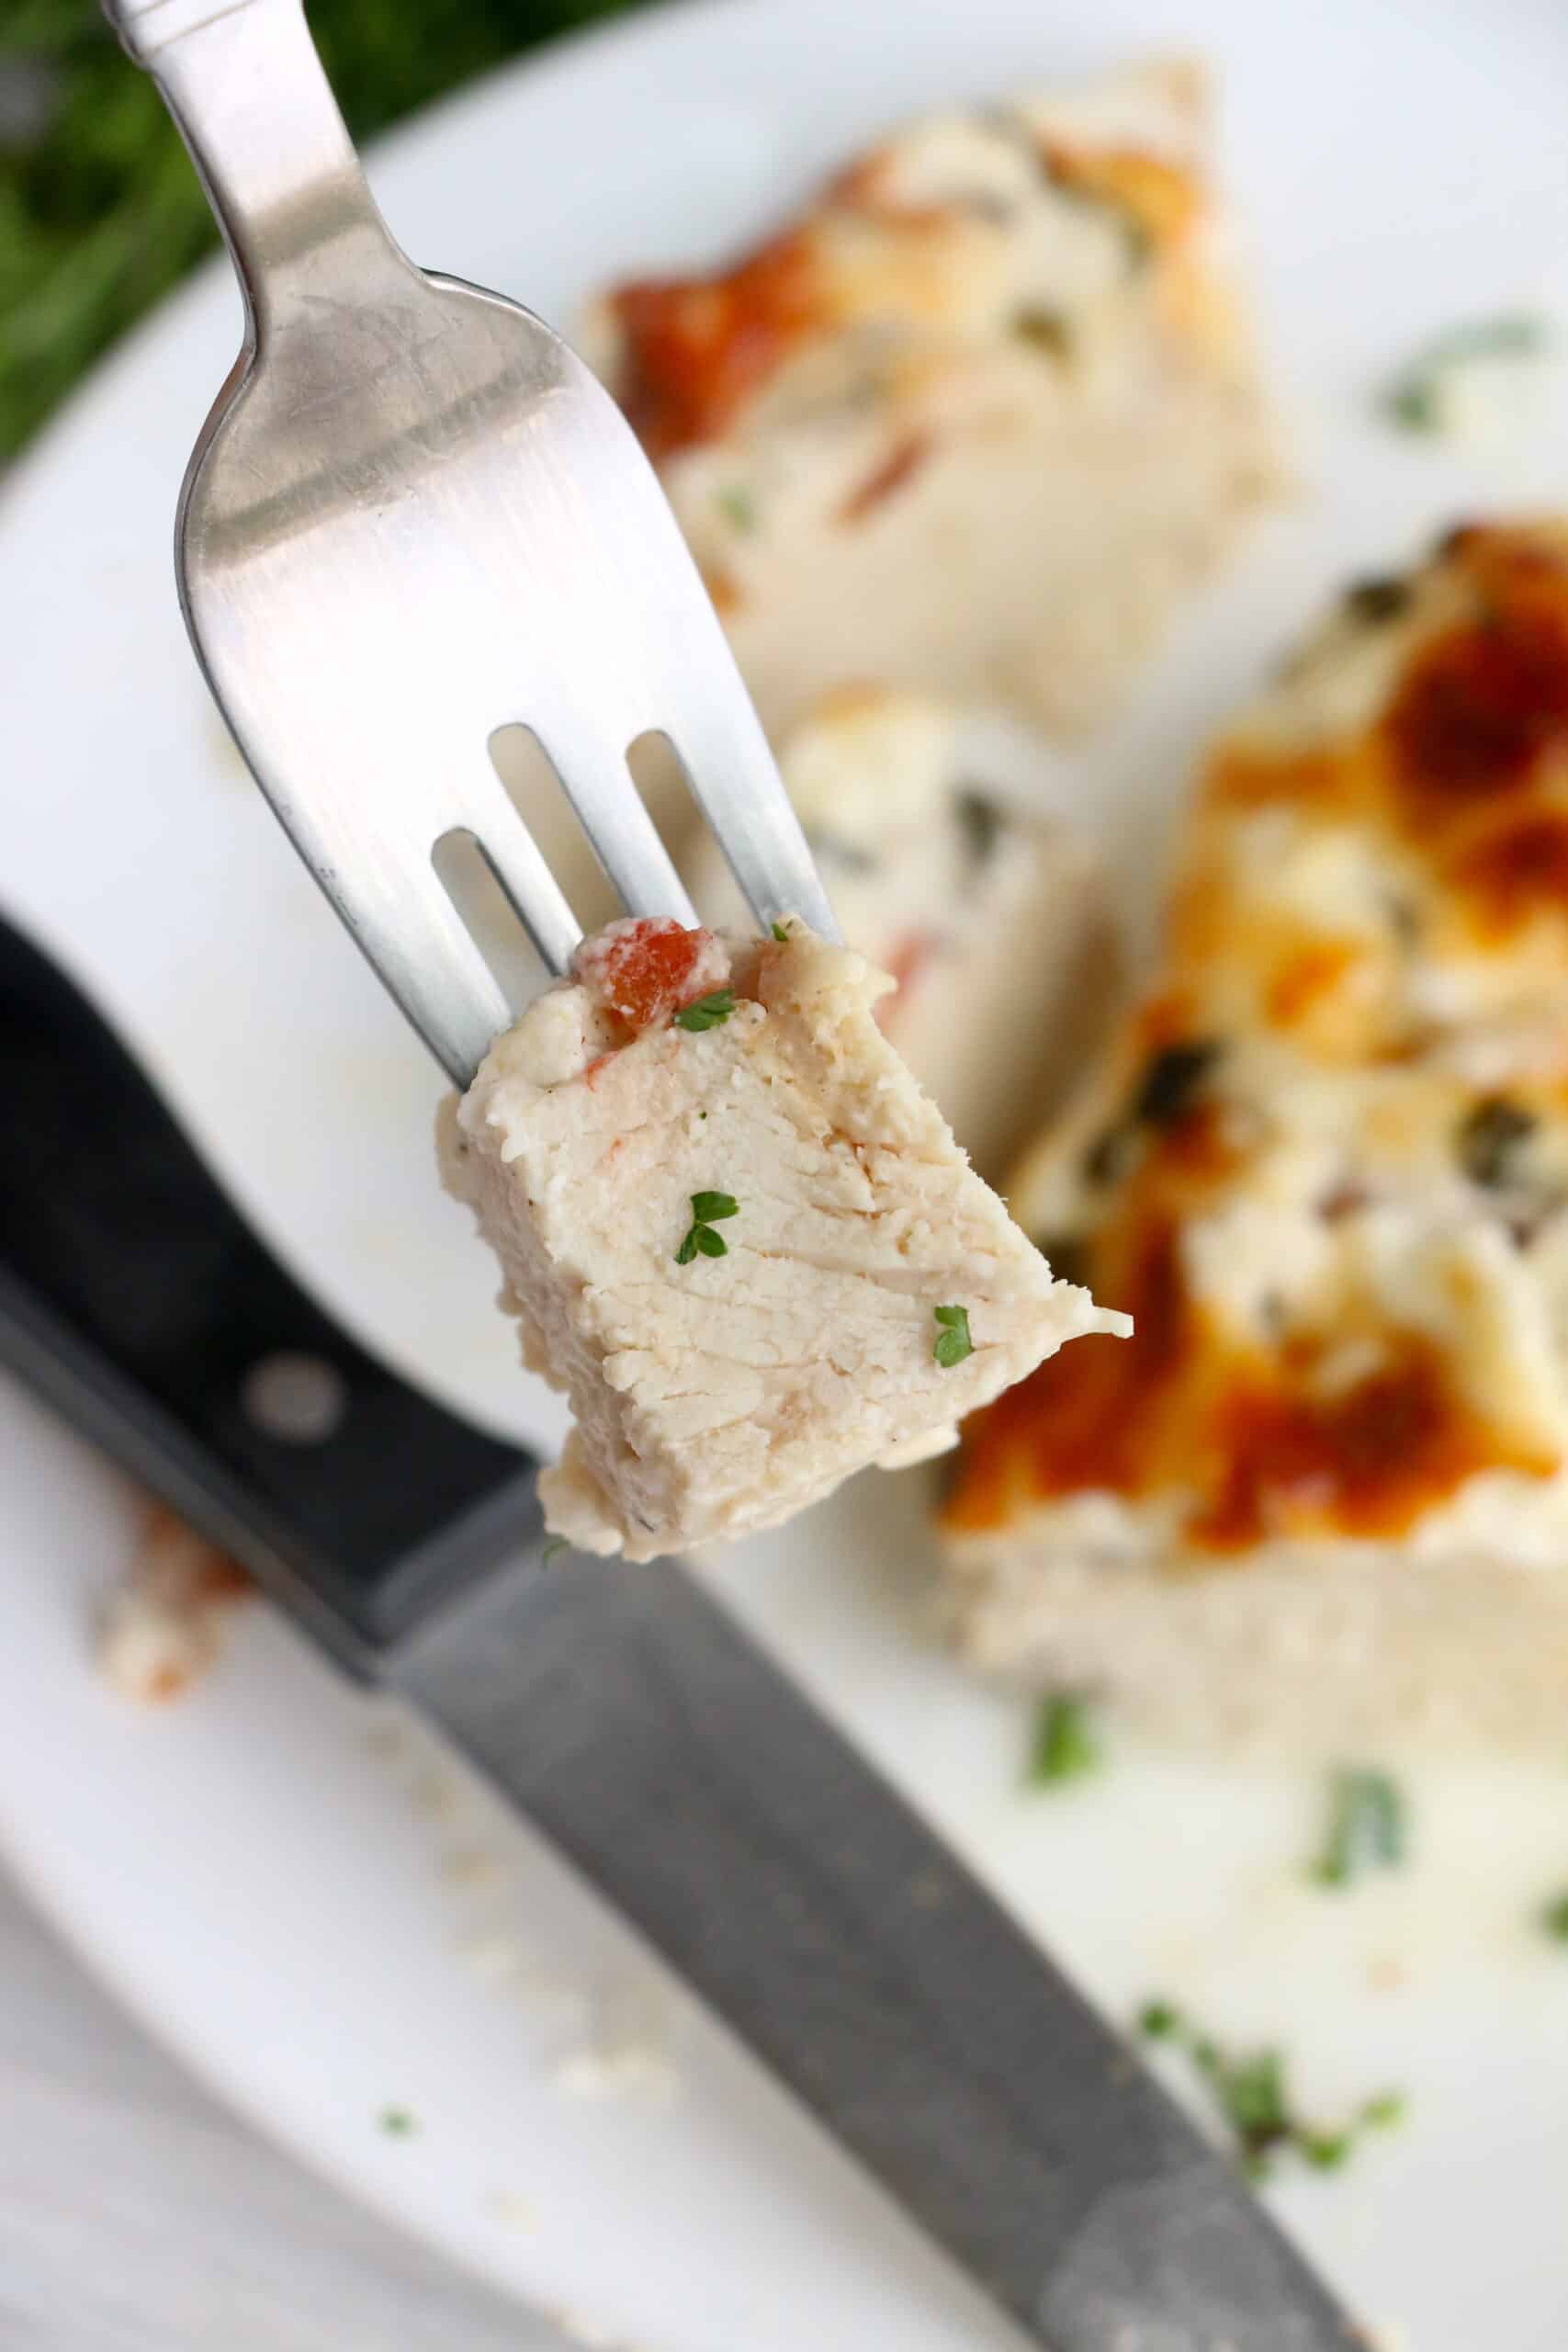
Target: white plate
(287, 1890)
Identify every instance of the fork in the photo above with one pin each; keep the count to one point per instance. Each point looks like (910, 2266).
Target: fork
(413, 518)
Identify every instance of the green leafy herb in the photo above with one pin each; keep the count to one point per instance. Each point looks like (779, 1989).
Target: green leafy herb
(982, 821)
(398, 2123)
(737, 506)
(1251, 2096)
(1366, 1828)
(1044, 330)
(709, 1010)
(1171, 1079)
(707, 1209)
(1489, 1138)
(553, 1549)
(1414, 398)
(780, 931)
(1554, 1918)
(1374, 601)
(1065, 1747)
(952, 1340)
(100, 211)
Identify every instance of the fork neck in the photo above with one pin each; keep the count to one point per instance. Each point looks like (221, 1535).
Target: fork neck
(247, 90)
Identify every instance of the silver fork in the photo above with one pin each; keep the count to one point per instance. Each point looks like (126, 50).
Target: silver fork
(412, 518)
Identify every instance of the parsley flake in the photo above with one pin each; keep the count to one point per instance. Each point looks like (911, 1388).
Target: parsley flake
(1415, 399)
(952, 1340)
(701, 1239)
(1554, 1918)
(1250, 2092)
(398, 2123)
(1066, 1747)
(1366, 1829)
(780, 931)
(709, 1010)
(557, 1545)
(737, 506)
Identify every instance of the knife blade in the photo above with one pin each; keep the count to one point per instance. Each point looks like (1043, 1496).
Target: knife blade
(628, 1716)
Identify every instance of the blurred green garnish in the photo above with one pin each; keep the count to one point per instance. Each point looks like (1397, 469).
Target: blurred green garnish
(99, 209)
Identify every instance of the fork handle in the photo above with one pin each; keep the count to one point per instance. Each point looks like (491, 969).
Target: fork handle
(248, 93)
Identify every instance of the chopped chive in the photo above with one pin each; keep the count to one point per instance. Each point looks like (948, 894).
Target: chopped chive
(780, 931)
(1250, 2093)
(1366, 1829)
(398, 2123)
(557, 1545)
(952, 1340)
(708, 1011)
(1065, 1745)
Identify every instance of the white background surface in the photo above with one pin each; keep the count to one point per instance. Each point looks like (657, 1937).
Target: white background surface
(274, 1894)
(138, 2215)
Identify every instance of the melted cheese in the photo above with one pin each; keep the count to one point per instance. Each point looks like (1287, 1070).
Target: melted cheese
(1327, 1169)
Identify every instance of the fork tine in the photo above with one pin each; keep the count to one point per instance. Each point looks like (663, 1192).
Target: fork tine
(624, 836)
(514, 858)
(423, 951)
(720, 741)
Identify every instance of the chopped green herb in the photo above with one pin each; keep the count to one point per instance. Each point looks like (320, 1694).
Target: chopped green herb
(1107, 1155)
(1251, 2094)
(1489, 1138)
(553, 1549)
(738, 507)
(99, 209)
(1250, 2091)
(1554, 1918)
(982, 822)
(952, 1340)
(1414, 398)
(1045, 330)
(1378, 600)
(709, 1010)
(1065, 1745)
(780, 931)
(1366, 1829)
(398, 2123)
(708, 1208)
(1171, 1079)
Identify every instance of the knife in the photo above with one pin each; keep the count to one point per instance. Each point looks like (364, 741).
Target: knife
(629, 1718)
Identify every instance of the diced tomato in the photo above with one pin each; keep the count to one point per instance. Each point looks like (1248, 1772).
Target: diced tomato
(644, 970)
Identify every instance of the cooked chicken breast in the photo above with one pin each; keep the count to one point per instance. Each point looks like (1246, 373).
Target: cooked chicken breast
(1323, 1492)
(738, 1235)
(989, 917)
(977, 419)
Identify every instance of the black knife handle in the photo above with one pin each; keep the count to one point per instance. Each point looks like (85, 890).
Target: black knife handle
(135, 1298)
